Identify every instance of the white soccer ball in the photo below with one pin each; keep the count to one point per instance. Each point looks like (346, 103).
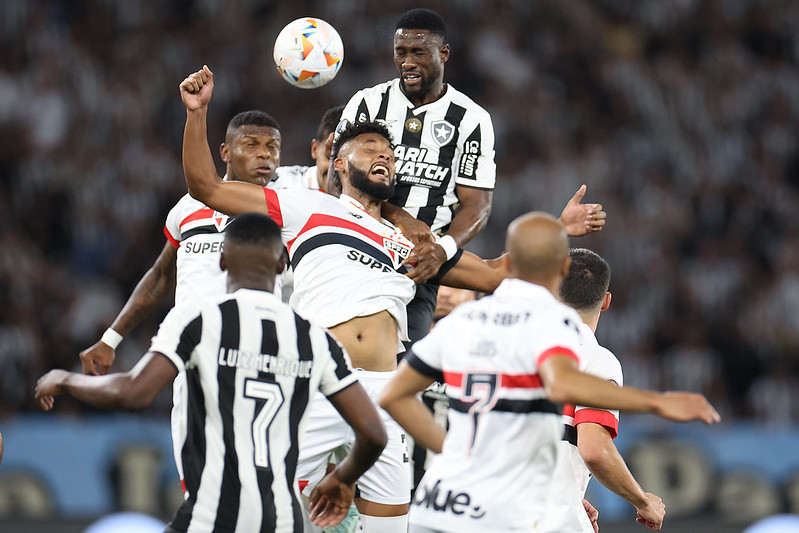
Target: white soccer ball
(308, 52)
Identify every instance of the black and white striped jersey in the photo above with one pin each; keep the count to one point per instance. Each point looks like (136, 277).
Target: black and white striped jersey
(438, 145)
(251, 366)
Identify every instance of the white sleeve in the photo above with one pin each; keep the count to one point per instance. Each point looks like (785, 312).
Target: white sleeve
(179, 333)
(475, 155)
(336, 370)
(172, 227)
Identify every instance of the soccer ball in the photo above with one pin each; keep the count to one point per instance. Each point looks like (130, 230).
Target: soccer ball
(308, 52)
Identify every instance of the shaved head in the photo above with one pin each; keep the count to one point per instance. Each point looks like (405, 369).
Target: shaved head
(538, 248)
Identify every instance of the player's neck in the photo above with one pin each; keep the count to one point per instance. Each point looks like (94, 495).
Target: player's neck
(435, 92)
(369, 203)
(252, 283)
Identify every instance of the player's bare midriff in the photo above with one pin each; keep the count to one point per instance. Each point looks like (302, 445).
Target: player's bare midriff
(370, 340)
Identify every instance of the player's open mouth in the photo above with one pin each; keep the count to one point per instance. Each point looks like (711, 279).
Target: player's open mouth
(380, 169)
(263, 170)
(411, 77)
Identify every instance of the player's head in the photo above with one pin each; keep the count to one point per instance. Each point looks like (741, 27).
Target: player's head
(586, 287)
(363, 159)
(538, 250)
(319, 148)
(253, 252)
(251, 149)
(420, 51)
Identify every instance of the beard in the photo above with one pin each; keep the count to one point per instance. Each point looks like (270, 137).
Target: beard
(359, 179)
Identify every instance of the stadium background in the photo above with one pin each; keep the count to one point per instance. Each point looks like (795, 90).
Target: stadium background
(681, 116)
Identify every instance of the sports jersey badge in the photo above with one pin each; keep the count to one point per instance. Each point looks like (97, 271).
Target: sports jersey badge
(220, 220)
(413, 124)
(443, 132)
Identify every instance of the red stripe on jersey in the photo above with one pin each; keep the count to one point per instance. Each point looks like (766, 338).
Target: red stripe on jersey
(273, 206)
(556, 350)
(520, 381)
(509, 381)
(453, 378)
(205, 212)
(317, 220)
(598, 416)
(568, 410)
(174, 242)
(183, 484)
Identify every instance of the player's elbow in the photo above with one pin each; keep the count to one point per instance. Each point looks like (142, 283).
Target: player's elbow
(131, 398)
(557, 390)
(593, 454)
(374, 436)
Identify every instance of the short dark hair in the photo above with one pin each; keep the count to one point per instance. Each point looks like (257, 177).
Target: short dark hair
(423, 19)
(353, 129)
(253, 228)
(253, 118)
(588, 280)
(329, 122)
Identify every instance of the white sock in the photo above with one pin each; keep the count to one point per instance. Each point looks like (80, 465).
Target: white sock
(384, 524)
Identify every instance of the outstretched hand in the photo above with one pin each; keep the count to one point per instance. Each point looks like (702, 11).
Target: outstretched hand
(582, 219)
(97, 359)
(330, 501)
(48, 387)
(685, 407)
(196, 89)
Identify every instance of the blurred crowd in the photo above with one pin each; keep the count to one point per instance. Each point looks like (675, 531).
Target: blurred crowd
(681, 116)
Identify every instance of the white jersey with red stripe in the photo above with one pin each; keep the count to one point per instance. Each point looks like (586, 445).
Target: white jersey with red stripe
(346, 263)
(295, 177)
(197, 231)
(566, 513)
(498, 457)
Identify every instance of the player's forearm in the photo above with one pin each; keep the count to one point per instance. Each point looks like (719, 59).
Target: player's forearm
(112, 391)
(609, 468)
(369, 444)
(417, 420)
(474, 273)
(149, 292)
(198, 163)
(469, 220)
(568, 385)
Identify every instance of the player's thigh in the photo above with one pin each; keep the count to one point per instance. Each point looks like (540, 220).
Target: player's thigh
(324, 435)
(389, 479)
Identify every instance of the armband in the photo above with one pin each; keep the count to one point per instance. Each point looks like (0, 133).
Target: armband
(449, 245)
(111, 338)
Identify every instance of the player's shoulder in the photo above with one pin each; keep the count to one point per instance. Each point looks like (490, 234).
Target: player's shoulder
(463, 100)
(289, 177)
(376, 90)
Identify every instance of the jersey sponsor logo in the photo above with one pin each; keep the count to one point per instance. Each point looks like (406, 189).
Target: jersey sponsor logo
(279, 366)
(412, 169)
(443, 132)
(467, 166)
(202, 247)
(460, 503)
(367, 260)
(413, 124)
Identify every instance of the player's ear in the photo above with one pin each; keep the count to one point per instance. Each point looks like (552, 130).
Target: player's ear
(224, 152)
(222, 262)
(564, 268)
(444, 52)
(606, 302)
(280, 264)
(314, 148)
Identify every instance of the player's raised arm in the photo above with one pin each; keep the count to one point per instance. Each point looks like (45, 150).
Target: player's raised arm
(564, 383)
(229, 197)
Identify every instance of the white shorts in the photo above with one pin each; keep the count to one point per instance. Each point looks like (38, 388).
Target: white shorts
(328, 438)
